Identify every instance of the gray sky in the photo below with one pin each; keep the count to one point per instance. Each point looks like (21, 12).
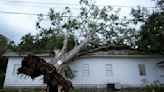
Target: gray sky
(13, 26)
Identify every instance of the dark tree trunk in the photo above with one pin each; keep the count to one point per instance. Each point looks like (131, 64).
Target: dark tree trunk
(52, 89)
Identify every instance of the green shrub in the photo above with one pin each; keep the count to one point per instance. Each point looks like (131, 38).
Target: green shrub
(153, 88)
(2, 77)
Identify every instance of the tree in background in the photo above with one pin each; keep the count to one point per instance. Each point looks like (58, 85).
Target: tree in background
(3, 48)
(3, 60)
(3, 44)
(151, 34)
(44, 41)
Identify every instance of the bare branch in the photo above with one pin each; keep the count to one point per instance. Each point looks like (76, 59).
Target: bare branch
(84, 24)
(93, 50)
(61, 68)
(59, 53)
(56, 51)
(76, 50)
(90, 6)
(66, 57)
(76, 43)
(65, 43)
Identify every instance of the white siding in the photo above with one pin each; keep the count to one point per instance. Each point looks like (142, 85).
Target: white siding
(124, 71)
(108, 70)
(14, 80)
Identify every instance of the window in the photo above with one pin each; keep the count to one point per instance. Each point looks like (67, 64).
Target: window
(16, 66)
(85, 70)
(108, 70)
(141, 69)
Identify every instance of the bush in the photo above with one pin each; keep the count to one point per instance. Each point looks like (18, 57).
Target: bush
(156, 86)
(2, 77)
(153, 88)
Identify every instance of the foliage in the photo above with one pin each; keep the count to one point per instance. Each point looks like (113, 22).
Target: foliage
(79, 90)
(3, 44)
(156, 86)
(150, 34)
(27, 42)
(3, 60)
(12, 46)
(19, 90)
(2, 77)
(152, 28)
(45, 40)
(69, 73)
(3, 64)
(91, 18)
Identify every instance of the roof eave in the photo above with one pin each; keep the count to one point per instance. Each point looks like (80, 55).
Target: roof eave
(124, 56)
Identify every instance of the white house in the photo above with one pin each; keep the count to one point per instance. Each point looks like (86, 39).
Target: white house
(97, 70)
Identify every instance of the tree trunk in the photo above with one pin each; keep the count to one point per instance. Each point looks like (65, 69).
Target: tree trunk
(66, 57)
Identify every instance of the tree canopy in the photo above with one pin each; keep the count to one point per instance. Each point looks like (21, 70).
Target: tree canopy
(3, 48)
(101, 26)
(3, 44)
(151, 34)
(104, 26)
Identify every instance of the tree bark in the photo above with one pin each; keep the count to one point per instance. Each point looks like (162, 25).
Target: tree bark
(66, 57)
(162, 33)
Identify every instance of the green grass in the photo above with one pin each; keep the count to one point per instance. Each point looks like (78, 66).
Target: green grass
(89, 90)
(39, 90)
(20, 90)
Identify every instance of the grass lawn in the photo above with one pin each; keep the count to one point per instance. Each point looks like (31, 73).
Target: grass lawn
(74, 90)
(88, 90)
(20, 90)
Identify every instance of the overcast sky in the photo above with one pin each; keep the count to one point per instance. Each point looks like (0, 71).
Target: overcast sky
(14, 26)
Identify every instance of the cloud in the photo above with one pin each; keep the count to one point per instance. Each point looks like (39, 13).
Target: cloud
(15, 26)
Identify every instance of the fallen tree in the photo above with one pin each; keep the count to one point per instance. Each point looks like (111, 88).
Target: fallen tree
(92, 26)
(35, 66)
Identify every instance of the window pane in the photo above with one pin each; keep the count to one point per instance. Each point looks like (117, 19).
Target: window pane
(141, 69)
(16, 66)
(85, 73)
(109, 73)
(85, 69)
(108, 69)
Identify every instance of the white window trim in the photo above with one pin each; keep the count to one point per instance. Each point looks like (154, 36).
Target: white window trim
(140, 71)
(85, 70)
(15, 68)
(107, 70)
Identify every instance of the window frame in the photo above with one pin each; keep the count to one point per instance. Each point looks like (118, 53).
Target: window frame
(108, 69)
(15, 68)
(142, 69)
(85, 70)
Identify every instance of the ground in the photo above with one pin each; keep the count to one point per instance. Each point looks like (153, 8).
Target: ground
(156, 89)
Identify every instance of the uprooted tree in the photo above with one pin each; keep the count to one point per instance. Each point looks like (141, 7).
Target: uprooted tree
(93, 28)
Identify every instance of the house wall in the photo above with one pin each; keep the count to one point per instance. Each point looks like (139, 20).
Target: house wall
(124, 71)
(14, 80)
